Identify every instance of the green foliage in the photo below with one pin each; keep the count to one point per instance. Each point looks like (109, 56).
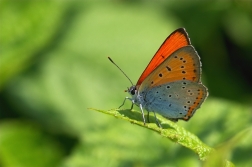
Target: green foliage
(217, 158)
(24, 144)
(27, 28)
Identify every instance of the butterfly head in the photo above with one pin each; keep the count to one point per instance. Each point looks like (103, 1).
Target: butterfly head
(132, 91)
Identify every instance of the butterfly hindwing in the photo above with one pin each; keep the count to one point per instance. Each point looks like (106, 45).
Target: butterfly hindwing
(175, 100)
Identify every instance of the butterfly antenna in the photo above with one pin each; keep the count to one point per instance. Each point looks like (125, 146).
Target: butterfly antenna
(120, 69)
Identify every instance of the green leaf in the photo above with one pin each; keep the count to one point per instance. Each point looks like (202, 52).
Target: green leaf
(170, 130)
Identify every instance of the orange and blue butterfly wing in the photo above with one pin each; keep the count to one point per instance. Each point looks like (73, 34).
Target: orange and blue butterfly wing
(174, 89)
(173, 42)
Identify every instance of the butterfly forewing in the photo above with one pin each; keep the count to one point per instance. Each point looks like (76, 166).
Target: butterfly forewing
(176, 40)
(183, 64)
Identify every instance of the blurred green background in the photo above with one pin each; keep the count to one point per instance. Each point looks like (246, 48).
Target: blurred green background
(53, 66)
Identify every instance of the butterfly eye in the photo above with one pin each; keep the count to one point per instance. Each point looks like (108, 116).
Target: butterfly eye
(132, 90)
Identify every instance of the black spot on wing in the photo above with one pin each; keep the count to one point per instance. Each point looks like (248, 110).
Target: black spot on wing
(168, 68)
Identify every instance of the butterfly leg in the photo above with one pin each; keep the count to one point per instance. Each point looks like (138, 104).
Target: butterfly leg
(159, 125)
(148, 117)
(124, 102)
(141, 107)
(132, 106)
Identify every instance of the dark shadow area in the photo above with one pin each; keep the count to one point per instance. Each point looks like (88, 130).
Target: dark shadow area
(10, 111)
(135, 115)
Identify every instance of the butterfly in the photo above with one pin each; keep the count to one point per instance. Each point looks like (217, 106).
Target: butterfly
(171, 83)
